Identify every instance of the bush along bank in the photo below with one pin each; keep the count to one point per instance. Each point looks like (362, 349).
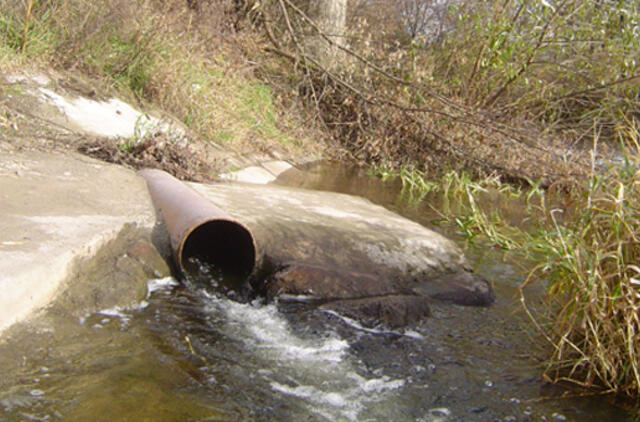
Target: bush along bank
(518, 88)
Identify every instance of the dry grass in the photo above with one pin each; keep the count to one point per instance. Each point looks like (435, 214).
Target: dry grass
(185, 58)
(154, 151)
(591, 265)
(583, 242)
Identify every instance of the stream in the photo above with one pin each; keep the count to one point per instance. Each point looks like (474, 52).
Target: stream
(191, 354)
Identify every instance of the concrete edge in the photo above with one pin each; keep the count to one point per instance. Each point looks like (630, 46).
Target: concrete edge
(77, 285)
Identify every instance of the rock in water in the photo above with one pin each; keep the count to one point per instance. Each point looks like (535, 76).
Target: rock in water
(364, 297)
(462, 288)
(328, 284)
(394, 311)
(346, 254)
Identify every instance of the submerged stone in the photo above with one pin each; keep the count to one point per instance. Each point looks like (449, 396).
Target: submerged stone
(394, 311)
(364, 297)
(373, 300)
(461, 288)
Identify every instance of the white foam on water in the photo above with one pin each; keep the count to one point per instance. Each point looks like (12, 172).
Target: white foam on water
(316, 371)
(116, 312)
(355, 324)
(120, 312)
(270, 333)
(313, 394)
(346, 403)
(159, 284)
(413, 334)
(322, 402)
(438, 414)
(378, 385)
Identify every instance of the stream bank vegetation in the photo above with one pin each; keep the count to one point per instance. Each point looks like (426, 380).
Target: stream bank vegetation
(524, 100)
(584, 245)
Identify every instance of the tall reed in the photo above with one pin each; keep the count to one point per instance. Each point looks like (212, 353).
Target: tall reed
(591, 264)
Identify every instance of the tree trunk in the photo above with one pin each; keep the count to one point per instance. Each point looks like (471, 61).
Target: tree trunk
(330, 17)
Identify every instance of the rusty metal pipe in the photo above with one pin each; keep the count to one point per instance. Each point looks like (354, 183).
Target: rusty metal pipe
(198, 229)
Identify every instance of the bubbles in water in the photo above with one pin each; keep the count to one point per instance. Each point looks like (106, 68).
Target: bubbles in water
(268, 331)
(355, 324)
(18, 401)
(318, 370)
(116, 312)
(378, 385)
(313, 394)
(160, 284)
(413, 334)
(438, 414)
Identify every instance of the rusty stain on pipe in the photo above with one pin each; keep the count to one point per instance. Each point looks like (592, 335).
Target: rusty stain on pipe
(198, 229)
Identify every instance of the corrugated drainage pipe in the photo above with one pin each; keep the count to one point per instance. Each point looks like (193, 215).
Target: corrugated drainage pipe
(198, 229)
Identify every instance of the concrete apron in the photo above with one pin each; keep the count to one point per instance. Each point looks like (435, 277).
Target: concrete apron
(75, 233)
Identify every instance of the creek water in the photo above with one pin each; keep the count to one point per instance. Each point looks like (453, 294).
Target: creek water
(191, 354)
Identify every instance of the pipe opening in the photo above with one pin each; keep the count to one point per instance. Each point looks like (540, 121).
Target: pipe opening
(224, 245)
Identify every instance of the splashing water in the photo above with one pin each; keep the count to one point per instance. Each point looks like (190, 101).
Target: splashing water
(318, 371)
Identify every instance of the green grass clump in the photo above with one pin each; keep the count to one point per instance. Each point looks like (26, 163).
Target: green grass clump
(221, 106)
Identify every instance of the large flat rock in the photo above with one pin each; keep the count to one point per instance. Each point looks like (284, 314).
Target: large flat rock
(348, 254)
(335, 230)
(55, 210)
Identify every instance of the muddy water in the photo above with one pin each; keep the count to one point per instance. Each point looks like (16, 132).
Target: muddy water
(186, 353)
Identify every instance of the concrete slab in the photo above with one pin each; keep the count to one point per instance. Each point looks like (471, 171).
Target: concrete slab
(54, 209)
(336, 230)
(266, 173)
(110, 117)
